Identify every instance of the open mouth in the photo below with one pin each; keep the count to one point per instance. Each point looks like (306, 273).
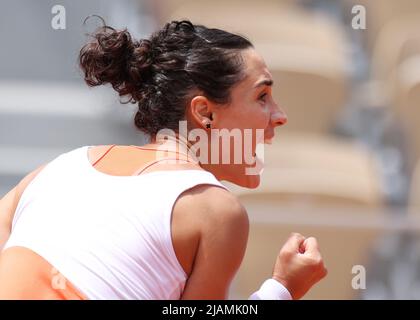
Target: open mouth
(269, 136)
(259, 155)
(257, 166)
(269, 140)
(259, 151)
(265, 136)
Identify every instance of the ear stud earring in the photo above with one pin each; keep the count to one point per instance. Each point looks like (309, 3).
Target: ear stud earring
(207, 124)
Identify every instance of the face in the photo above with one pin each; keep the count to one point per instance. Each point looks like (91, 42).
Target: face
(251, 110)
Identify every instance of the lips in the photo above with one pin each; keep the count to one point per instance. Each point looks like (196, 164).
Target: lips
(258, 166)
(269, 136)
(269, 139)
(259, 152)
(265, 138)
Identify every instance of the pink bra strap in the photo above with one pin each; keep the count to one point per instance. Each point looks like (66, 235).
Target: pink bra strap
(151, 163)
(106, 152)
(147, 165)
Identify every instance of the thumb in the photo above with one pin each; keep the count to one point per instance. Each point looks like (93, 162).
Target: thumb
(295, 242)
(310, 246)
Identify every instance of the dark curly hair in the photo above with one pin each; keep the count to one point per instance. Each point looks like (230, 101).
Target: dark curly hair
(161, 73)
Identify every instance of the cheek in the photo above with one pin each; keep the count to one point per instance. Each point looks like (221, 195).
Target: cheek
(259, 118)
(246, 116)
(256, 116)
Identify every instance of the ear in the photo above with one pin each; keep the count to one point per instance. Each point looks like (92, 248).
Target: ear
(201, 111)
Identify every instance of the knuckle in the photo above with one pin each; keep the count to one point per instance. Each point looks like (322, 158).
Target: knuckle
(313, 239)
(285, 253)
(322, 273)
(316, 261)
(296, 235)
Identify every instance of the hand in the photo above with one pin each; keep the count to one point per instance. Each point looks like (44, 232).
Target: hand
(299, 265)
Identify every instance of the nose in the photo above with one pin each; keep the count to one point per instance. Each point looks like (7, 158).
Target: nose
(278, 117)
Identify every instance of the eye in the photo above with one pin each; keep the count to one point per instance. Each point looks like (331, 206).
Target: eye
(262, 97)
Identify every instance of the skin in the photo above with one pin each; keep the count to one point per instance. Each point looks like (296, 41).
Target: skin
(209, 225)
(251, 107)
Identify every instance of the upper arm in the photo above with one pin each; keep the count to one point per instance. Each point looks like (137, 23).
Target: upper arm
(222, 245)
(10, 201)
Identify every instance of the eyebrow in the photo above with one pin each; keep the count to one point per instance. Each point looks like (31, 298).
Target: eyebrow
(265, 82)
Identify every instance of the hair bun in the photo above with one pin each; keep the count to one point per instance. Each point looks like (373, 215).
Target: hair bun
(163, 72)
(113, 57)
(140, 66)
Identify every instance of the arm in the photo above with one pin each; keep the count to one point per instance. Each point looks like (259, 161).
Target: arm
(223, 237)
(224, 228)
(8, 206)
(299, 266)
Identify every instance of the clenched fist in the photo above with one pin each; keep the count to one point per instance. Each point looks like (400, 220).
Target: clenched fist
(299, 265)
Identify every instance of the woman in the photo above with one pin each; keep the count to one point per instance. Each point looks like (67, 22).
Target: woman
(129, 222)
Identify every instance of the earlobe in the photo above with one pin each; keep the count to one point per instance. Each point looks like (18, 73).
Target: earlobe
(207, 124)
(200, 111)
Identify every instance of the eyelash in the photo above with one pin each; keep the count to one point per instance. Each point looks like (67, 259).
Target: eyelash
(261, 97)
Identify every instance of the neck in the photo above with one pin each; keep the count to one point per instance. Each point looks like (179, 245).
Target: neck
(180, 144)
(176, 143)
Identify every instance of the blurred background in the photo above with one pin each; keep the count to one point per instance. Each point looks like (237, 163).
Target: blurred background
(346, 167)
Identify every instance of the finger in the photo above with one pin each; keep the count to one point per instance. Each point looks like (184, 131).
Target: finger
(295, 242)
(310, 246)
(324, 272)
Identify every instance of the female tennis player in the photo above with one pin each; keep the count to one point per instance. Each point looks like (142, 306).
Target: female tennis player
(125, 222)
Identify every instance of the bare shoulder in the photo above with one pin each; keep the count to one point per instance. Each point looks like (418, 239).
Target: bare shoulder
(223, 227)
(220, 218)
(215, 205)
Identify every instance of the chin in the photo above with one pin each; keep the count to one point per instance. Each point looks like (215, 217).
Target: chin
(247, 181)
(253, 182)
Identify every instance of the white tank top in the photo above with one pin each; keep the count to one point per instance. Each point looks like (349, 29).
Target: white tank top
(110, 236)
